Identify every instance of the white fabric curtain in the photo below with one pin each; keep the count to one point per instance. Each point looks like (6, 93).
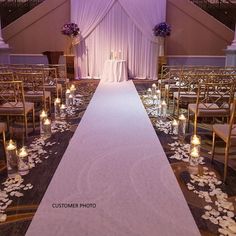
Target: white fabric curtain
(117, 25)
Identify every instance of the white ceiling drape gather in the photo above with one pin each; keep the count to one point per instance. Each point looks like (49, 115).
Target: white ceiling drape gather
(117, 25)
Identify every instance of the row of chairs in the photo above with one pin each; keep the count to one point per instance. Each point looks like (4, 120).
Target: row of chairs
(208, 94)
(25, 89)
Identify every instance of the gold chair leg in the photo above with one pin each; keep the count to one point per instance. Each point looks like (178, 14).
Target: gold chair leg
(174, 106)
(226, 161)
(33, 117)
(4, 145)
(213, 146)
(188, 120)
(50, 104)
(26, 126)
(195, 124)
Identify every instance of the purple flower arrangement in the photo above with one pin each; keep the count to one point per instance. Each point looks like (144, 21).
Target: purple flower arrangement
(70, 29)
(163, 29)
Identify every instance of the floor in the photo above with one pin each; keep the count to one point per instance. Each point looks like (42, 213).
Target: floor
(22, 209)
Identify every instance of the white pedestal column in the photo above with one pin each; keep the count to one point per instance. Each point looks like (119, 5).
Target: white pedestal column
(4, 50)
(231, 52)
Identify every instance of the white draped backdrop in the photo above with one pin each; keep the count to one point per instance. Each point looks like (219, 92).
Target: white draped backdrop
(117, 25)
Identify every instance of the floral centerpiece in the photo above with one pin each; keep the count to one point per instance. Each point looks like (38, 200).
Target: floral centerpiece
(162, 29)
(72, 31)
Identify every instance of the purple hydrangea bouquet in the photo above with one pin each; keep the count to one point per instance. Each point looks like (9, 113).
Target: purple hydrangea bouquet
(72, 31)
(162, 29)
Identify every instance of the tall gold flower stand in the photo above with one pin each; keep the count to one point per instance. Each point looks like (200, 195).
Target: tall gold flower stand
(70, 69)
(162, 60)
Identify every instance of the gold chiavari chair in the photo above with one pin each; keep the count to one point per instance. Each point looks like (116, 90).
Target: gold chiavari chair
(227, 132)
(6, 76)
(12, 102)
(171, 84)
(213, 100)
(50, 80)
(61, 73)
(187, 90)
(35, 89)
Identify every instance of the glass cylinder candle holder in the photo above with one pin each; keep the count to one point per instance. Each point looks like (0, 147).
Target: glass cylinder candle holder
(63, 111)
(47, 130)
(43, 115)
(67, 97)
(72, 89)
(195, 141)
(71, 100)
(158, 93)
(23, 167)
(149, 92)
(194, 156)
(174, 126)
(154, 88)
(12, 160)
(57, 104)
(163, 109)
(182, 127)
(158, 109)
(154, 100)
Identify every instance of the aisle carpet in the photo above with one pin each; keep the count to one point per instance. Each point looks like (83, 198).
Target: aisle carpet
(114, 178)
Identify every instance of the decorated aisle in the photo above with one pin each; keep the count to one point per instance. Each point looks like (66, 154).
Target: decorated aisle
(114, 178)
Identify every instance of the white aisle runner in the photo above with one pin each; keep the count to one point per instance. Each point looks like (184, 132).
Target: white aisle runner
(116, 161)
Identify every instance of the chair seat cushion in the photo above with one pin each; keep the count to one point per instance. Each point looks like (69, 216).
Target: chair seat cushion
(34, 95)
(187, 95)
(12, 108)
(208, 110)
(222, 130)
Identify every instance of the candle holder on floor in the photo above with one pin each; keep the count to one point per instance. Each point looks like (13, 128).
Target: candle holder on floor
(47, 130)
(23, 167)
(57, 104)
(43, 115)
(182, 127)
(12, 160)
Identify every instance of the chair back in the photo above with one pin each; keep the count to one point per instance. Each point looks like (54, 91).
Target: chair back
(215, 96)
(6, 76)
(12, 94)
(232, 126)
